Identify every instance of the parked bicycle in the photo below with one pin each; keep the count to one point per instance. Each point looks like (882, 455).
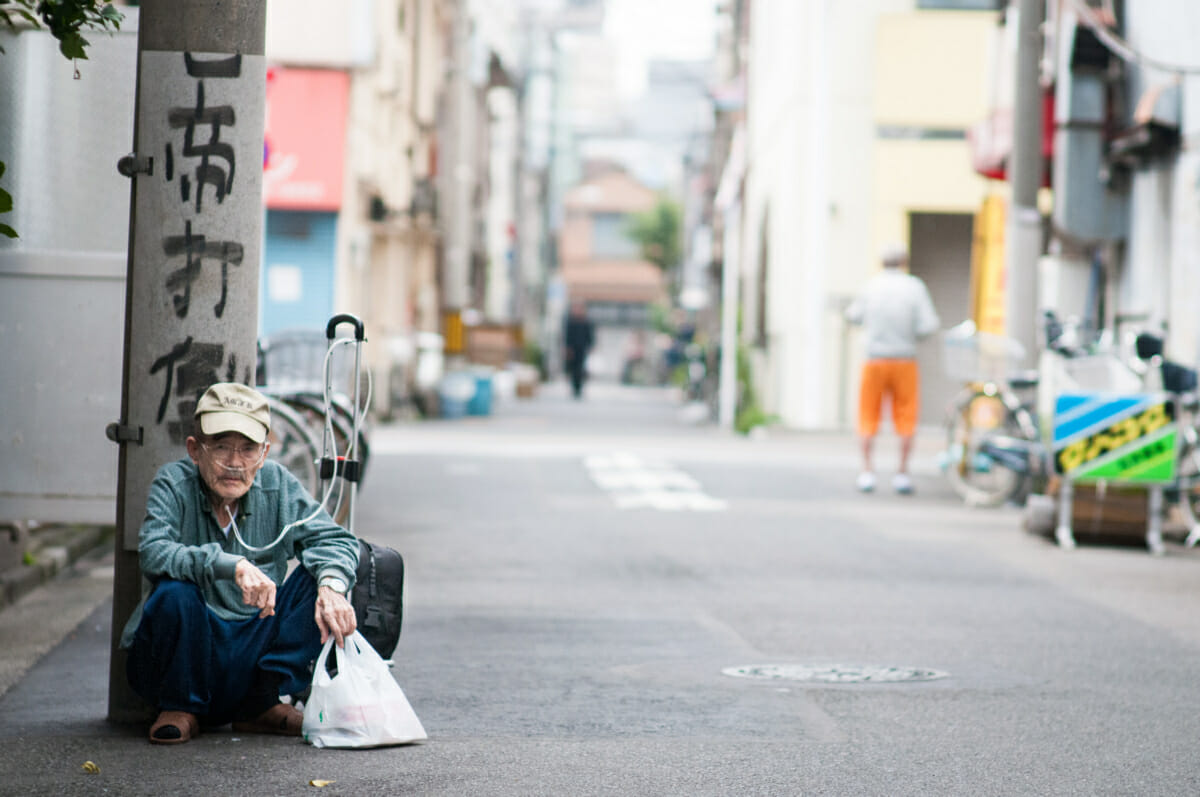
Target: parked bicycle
(994, 450)
(1181, 383)
(311, 417)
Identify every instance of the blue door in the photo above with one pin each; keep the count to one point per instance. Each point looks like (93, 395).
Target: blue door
(296, 284)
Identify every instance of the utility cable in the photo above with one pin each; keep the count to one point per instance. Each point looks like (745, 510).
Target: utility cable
(1123, 49)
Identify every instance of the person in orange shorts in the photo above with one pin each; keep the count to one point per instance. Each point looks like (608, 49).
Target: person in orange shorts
(895, 311)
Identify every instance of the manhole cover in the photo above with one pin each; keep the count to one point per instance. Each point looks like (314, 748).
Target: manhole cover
(835, 673)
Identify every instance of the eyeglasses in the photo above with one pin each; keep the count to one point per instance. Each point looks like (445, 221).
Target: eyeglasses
(245, 452)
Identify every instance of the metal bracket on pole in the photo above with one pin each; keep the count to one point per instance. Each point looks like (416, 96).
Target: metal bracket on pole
(133, 164)
(120, 433)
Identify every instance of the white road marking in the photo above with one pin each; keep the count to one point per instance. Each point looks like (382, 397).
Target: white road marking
(635, 483)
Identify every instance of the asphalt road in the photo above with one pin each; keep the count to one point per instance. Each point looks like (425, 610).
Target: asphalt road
(581, 577)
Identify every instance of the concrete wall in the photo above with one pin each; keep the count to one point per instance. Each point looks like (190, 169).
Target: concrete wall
(62, 283)
(1160, 274)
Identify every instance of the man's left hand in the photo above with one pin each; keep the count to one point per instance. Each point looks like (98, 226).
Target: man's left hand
(335, 616)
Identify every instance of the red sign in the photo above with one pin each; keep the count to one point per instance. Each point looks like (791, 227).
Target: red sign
(304, 154)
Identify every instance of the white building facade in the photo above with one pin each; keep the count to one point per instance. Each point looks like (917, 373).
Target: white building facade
(855, 131)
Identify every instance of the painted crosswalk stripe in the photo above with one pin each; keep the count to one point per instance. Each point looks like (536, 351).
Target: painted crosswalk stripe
(637, 484)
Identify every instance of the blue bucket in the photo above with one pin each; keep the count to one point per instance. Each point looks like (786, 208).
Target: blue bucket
(452, 407)
(481, 402)
(455, 394)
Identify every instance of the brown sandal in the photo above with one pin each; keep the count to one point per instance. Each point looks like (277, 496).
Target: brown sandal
(281, 719)
(174, 727)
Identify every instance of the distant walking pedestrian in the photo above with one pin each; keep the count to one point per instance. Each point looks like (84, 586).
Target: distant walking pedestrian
(578, 338)
(895, 311)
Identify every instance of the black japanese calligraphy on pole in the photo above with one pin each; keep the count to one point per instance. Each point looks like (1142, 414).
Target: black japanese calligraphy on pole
(167, 362)
(229, 67)
(187, 370)
(219, 176)
(196, 224)
(195, 249)
(206, 172)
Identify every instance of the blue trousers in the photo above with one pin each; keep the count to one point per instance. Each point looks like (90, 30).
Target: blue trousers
(186, 658)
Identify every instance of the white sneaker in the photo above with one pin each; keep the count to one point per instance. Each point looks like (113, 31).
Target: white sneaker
(865, 482)
(902, 484)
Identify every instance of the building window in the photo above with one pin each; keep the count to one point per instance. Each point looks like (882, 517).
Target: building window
(610, 237)
(960, 5)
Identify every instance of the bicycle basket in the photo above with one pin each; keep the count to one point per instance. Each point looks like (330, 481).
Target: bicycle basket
(970, 356)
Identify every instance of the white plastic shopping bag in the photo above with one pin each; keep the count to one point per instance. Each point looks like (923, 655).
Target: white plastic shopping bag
(360, 706)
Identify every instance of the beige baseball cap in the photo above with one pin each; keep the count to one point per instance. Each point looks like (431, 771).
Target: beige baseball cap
(233, 407)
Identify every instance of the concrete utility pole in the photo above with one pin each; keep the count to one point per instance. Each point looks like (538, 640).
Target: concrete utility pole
(1023, 234)
(456, 284)
(191, 307)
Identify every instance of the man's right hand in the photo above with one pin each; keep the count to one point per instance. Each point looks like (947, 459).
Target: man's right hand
(257, 590)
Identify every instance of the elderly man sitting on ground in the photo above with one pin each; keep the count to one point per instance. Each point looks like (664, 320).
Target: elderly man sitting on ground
(222, 631)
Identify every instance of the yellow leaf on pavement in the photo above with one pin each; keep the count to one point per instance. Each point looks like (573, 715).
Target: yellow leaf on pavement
(320, 784)
(91, 768)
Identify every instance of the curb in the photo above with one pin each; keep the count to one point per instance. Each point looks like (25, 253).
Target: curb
(42, 553)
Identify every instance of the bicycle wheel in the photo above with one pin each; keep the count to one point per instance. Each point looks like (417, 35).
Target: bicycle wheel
(293, 445)
(975, 417)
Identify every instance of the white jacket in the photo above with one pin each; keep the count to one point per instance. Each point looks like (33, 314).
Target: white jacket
(896, 312)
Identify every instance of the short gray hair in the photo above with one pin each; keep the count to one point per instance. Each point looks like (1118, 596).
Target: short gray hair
(893, 254)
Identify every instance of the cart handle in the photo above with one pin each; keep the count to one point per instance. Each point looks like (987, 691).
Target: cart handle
(331, 328)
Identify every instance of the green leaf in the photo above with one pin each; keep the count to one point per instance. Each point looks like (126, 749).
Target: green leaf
(6, 203)
(72, 46)
(8, 232)
(3, 166)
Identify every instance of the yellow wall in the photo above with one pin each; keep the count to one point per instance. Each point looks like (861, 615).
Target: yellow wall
(931, 73)
(931, 68)
(930, 176)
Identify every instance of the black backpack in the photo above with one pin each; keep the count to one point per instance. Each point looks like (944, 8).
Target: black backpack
(378, 596)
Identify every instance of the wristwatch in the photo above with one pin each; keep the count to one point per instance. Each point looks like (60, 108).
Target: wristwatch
(334, 583)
